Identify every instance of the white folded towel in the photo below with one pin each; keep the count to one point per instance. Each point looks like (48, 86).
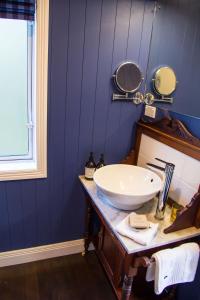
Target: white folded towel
(173, 266)
(140, 236)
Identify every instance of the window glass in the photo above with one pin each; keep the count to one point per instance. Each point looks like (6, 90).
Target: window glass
(14, 77)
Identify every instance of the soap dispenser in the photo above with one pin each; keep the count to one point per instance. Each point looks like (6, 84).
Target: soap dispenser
(101, 162)
(90, 167)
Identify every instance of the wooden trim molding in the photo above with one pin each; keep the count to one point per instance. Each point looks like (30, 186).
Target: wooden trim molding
(172, 133)
(42, 85)
(22, 256)
(177, 129)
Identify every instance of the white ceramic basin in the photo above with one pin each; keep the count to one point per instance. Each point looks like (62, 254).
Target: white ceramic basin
(127, 187)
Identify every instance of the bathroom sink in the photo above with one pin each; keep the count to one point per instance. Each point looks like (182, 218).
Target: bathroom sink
(127, 187)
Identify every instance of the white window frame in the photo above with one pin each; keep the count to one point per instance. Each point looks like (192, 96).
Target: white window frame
(36, 166)
(10, 159)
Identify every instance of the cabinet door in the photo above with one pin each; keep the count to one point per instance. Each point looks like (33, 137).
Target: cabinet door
(110, 255)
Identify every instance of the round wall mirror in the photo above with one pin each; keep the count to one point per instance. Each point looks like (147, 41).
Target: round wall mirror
(165, 81)
(128, 77)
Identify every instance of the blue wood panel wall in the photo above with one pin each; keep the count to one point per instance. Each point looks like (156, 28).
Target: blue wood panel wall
(88, 40)
(176, 42)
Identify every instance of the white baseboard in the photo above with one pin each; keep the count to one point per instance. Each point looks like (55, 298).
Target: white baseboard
(42, 252)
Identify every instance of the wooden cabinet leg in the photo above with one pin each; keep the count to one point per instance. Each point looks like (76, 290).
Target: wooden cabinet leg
(130, 273)
(172, 294)
(88, 228)
(131, 266)
(127, 286)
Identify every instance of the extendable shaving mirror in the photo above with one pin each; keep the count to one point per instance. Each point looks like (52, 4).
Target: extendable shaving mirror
(165, 82)
(128, 79)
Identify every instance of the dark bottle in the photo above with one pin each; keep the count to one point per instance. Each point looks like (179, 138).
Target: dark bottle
(101, 162)
(90, 167)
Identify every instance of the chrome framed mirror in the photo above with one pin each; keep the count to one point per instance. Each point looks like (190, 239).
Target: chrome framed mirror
(128, 79)
(165, 82)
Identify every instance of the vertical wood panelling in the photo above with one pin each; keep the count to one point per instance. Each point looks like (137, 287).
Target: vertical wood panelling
(192, 90)
(43, 212)
(90, 78)
(176, 42)
(29, 212)
(102, 93)
(113, 149)
(135, 30)
(88, 39)
(15, 213)
(129, 112)
(75, 56)
(57, 115)
(137, 50)
(4, 220)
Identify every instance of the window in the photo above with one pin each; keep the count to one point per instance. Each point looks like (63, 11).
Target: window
(16, 65)
(23, 90)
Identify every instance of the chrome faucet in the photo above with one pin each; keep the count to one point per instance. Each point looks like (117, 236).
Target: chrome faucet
(163, 195)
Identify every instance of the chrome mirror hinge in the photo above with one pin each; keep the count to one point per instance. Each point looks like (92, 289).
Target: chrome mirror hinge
(137, 99)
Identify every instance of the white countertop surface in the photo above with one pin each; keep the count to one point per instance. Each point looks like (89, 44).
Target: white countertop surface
(114, 216)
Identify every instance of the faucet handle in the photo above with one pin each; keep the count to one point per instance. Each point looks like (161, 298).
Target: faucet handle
(156, 167)
(165, 162)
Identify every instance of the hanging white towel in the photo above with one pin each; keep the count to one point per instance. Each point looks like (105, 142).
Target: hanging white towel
(173, 266)
(142, 236)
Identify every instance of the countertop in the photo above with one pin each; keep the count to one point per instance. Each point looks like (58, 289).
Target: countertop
(114, 216)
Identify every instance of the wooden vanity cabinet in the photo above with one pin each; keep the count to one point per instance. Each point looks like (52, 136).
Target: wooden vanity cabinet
(120, 265)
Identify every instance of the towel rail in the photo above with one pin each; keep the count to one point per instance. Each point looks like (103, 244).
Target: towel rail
(145, 261)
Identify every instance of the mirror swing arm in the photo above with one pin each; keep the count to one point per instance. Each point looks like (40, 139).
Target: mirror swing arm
(137, 99)
(149, 99)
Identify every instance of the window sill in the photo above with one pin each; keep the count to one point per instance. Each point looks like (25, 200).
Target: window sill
(21, 170)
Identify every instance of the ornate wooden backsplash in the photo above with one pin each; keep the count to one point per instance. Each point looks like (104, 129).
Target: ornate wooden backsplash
(177, 129)
(170, 132)
(174, 134)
